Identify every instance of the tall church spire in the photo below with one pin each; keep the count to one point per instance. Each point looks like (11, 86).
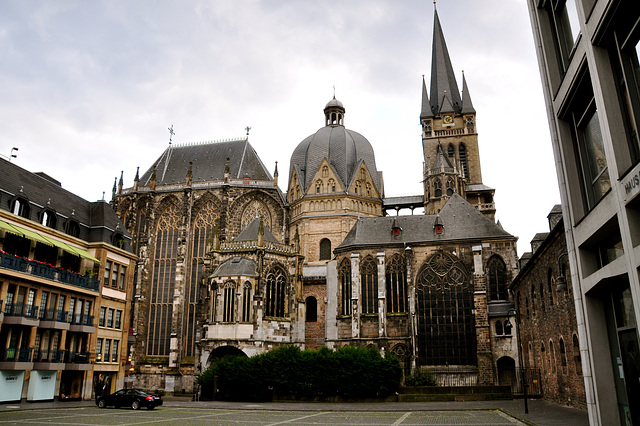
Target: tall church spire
(445, 96)
(425, 111)
(467, 106)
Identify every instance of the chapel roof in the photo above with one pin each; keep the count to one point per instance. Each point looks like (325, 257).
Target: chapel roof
(236, 266)
(461, 221)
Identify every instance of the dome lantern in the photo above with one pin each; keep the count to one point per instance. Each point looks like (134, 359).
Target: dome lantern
(334, 113)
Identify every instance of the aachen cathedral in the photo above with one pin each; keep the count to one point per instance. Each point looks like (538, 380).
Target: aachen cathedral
(231, 264)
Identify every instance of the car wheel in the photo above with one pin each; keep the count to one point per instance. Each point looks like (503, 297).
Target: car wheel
(102, 403)
(135, 405)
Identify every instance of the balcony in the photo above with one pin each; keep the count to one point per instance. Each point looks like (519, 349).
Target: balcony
(16, 359)
(54, 318)
(21, 314)
(78, 361)
(42, 270)
(48, 360)
(82, 323)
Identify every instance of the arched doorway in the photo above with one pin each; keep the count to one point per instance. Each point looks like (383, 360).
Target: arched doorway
(222, 352)
(507, 372)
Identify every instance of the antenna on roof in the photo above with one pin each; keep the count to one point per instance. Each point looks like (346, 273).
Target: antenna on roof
(171, 134)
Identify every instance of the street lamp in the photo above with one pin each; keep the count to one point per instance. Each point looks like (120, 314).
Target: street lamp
(508, 325)
(562, 282)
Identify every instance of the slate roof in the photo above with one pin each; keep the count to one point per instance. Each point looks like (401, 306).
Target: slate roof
(445, 96)
(250, 233)
(236, 266)
(209, 161)
(97, 220)
(460, 219)
(343, 148)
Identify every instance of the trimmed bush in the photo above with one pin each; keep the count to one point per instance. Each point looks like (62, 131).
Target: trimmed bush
(290, 373)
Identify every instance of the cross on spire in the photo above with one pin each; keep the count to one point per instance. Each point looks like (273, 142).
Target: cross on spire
(171, 134)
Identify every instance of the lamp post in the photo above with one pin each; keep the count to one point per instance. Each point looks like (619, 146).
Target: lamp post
(523, 378)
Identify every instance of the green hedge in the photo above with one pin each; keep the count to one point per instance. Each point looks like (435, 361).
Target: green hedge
(291, 373)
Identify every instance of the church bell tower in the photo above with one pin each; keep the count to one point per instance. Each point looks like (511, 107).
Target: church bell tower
(449, 136)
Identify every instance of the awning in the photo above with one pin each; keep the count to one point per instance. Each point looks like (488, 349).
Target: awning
(34, 236)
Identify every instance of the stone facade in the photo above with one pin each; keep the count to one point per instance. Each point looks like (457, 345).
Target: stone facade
(548, 325)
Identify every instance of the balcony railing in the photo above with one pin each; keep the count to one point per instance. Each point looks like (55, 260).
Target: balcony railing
(78, 357)
(16, 355)
(54, 315)
(21, 310)
(79, 319)
(48, 356)
(42, 270)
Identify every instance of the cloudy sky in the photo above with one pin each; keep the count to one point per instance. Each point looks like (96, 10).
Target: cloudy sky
(89, 89)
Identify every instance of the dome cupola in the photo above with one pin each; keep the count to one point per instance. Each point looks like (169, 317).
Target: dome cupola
(334, 113)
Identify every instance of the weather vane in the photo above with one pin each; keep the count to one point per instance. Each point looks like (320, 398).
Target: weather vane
(247, 129)
(171, 134)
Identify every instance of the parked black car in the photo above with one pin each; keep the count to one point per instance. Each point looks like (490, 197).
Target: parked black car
(134, 398)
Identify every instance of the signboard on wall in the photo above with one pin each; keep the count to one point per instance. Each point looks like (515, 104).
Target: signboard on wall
(11, 385)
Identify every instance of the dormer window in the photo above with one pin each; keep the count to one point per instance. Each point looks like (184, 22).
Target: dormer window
(438, 227)
(73, 228)
(49, 218)
(20, 207)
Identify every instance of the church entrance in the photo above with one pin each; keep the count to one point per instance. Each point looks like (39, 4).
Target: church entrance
(445, 321)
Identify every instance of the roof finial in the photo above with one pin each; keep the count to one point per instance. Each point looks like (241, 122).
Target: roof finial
(247, 129)
(171, 133)
(334, 91)
(434, 4)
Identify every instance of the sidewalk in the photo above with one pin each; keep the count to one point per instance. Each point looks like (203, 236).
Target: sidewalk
(540, 412)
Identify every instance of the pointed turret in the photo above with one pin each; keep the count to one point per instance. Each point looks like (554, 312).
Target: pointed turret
(120, 183)
(467, 106)
(425, 111)
(136, 180)
(443, 80)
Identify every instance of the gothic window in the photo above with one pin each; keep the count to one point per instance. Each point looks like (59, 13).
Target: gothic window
(563, 354)
(332, 185)
(533, 301)
(542, 307)
(246, 302)
(437, 188)
(507, 330)
(550, 285)
(203, 226)
(577, 358)
(552, 356)
(325, 249)
(402, 352)
(228, 301)
(344, 275)
(499, 328)
(462, 153)
(255, 209)
(396, 284)
(275, 297)
(363, 174)
(444, 303)
(368, 190)
(450, 187)
(318, 187)
(497, 279)
(325, 171)
(358, 188)
(162, 282)
(451, 151)
(311, 305)
(369, 285)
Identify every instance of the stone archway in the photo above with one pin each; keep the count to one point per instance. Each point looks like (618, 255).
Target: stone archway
(506, 367)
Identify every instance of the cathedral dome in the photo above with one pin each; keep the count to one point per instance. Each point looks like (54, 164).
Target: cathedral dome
(344, 149)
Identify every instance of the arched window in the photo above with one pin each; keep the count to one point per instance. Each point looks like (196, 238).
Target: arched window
(20, 207)
(462, 153)
(344, 276)
(325, 249)
(552, 356)
(325, 171)
(331, 185)
(311, 309)
(318, 187)
(444, 303)
(437, 188)
(246, 302)
(450, 187)
(563, 354)
(275, 298)
(396, 284)
(550, 285)
(542, 297)
(533, 301)
(252, 210)
(369, 284)
(577, 358)
(499, 330)
(497, 278)
(228, 300)
(368, 190)
(451, 151)
(163, 281)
